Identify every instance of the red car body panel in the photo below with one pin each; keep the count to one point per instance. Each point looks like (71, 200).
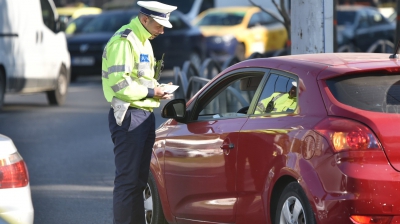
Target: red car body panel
(240, 186)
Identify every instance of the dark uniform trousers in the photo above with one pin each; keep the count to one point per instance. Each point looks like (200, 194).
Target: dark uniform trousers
(133, 143)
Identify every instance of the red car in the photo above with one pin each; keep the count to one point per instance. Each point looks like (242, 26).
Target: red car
(295, 139)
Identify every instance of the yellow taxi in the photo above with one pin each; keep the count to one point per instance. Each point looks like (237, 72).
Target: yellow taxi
(74, 11)
(240, 31)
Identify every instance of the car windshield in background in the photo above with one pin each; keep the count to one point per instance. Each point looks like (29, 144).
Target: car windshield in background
(374, 92)
(108, 22)
(345, 17)
(222, 19)
(183, 5)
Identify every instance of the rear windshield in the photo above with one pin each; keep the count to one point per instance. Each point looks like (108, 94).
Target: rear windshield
(380, 93)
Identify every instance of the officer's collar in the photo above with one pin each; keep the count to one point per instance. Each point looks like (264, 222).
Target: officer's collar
(140, 30)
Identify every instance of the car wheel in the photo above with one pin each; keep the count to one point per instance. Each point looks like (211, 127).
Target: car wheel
(240, 51)
(152, 204)
(195, 59)
(2, 87)
(58, 95)
(293, 206)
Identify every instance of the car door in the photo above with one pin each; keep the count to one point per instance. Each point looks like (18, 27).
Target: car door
(263, 139)
(200, 156)
(23, 54)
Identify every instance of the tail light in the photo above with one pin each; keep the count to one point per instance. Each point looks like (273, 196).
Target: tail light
(361, 219)
(13, 172)
(345, 134)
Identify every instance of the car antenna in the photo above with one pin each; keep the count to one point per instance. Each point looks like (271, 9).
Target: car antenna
(396, 49)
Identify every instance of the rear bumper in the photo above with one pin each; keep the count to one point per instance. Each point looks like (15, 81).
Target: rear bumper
(16, 205)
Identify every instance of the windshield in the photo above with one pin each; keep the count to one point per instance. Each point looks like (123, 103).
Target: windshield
(108, 22)
(183, 5)
(221, 19)
(345, 17)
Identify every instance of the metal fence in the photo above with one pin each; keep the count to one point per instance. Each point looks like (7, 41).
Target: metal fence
(191, 78)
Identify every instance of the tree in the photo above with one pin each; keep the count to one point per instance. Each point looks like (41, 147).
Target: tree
(283, 12)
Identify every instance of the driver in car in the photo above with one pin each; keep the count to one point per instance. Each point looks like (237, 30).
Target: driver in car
(279, 102)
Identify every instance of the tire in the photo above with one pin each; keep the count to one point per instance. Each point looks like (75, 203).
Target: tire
(57, 96)
(152, 204)
(2, 87)
(292, 196)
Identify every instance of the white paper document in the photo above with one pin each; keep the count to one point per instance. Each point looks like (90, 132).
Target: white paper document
(169, 88)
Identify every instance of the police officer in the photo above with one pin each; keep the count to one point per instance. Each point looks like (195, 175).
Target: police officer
(129, 85)
(279, 102)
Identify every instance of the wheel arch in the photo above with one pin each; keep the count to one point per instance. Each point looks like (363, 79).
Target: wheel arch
(67, 70)
(276, 192)
(158, 173)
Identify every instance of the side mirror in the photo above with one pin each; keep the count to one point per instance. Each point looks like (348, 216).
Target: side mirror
(175, 109)
(62, 23)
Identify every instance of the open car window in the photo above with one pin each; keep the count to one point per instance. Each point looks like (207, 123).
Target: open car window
(230, 98)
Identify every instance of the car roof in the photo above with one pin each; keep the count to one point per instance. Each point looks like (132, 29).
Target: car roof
(333, 63)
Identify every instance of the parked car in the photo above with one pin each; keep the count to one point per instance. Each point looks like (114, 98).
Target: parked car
(76, 10)
(180, 43)
(33, 51)
(76, 25)
(359, 27)
(393, 17)
(16, 202)
(240, 31)
(330, 155)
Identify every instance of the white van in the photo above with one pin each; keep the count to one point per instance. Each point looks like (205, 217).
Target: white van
(33, 53)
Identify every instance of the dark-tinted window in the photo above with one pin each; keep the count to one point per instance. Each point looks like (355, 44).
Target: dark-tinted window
(108, 22)
(346, 17)
(48, 15)
(177, 23)
(380, 93)
(376, 18)
(221, 19)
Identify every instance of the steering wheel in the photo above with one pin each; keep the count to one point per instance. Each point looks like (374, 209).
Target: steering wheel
(243, 110)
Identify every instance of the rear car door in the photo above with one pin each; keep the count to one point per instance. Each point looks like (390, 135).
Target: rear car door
(264, 138)
(200, 156)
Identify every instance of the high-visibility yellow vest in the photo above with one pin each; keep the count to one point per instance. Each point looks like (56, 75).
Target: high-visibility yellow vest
(128, 66)
(280, 103)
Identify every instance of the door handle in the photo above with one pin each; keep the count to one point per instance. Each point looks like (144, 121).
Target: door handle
(226, 146)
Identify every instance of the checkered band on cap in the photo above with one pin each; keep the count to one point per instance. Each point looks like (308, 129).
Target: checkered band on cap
(153, 13)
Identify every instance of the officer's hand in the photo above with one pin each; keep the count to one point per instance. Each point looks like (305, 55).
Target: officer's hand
(160, 94)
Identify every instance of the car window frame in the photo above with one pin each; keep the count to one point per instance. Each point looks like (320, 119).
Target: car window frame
(48, 16)
(256, 99)
(217, 87)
